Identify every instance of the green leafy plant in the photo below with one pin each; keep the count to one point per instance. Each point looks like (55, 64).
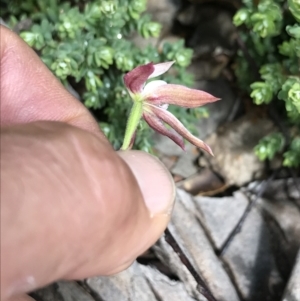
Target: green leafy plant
(269, 146)
(270, 31)
(87, 45)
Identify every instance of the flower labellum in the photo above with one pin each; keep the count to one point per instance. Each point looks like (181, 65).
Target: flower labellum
(151, 100)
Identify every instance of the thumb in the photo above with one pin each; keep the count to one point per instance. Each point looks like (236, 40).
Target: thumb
(71, 207)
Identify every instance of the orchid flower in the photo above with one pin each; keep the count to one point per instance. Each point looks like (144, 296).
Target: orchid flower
(151, 100)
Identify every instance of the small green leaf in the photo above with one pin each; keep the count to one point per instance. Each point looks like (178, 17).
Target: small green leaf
(293, 31)
(292, 156)
(261, 92)
(273, 74)
(241, 16)
(269, 146)
(294, 7)
(287, 48)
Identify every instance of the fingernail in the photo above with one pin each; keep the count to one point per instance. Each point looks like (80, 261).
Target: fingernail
(154, 179)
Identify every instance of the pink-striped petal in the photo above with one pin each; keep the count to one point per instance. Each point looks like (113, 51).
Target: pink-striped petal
(135, 79)
(178, 95)
(155, 123)
(161, 68)
(174, 123)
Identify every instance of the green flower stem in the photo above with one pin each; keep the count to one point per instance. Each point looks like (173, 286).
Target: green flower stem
(132, 123)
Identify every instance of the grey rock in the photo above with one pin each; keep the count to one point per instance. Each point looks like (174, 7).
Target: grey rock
(212, 38)
(72, 91)
(168, 161)
(166, 254)
(287, 216)
(292, 291)
(138, 283)
(205, 182)
(166, 146)
(294, 188)
(63, 291)
(3, 23)
(163, 12)
(71, 291)
(219, 111)
(127, 285)
(143, 43)
(214, 31)
(164, 288)
(209, 68)
(283, 218)
(212, 41)
(24, 24)
(251, 262)
(233, 146)
(194, 242)
(220, 215)
(185, 166)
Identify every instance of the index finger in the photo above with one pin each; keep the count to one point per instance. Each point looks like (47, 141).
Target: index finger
(30, 92)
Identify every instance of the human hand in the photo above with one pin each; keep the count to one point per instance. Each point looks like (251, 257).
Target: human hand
(71, 207)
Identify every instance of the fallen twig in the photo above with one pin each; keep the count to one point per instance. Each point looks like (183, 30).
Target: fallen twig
(201, 285)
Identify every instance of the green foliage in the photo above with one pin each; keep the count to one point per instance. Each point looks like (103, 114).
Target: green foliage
(261, 92)
(294, 7)
(290, 94)
(265, 19)
(292, 156)
(270, 30)
(87, 45)
(269, 146)
(272, 144)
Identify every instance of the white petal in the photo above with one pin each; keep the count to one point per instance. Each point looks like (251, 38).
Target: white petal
(161, 68)
(152, 85)
(164, 106)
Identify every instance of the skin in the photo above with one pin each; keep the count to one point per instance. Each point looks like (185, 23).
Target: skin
(71, 207)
